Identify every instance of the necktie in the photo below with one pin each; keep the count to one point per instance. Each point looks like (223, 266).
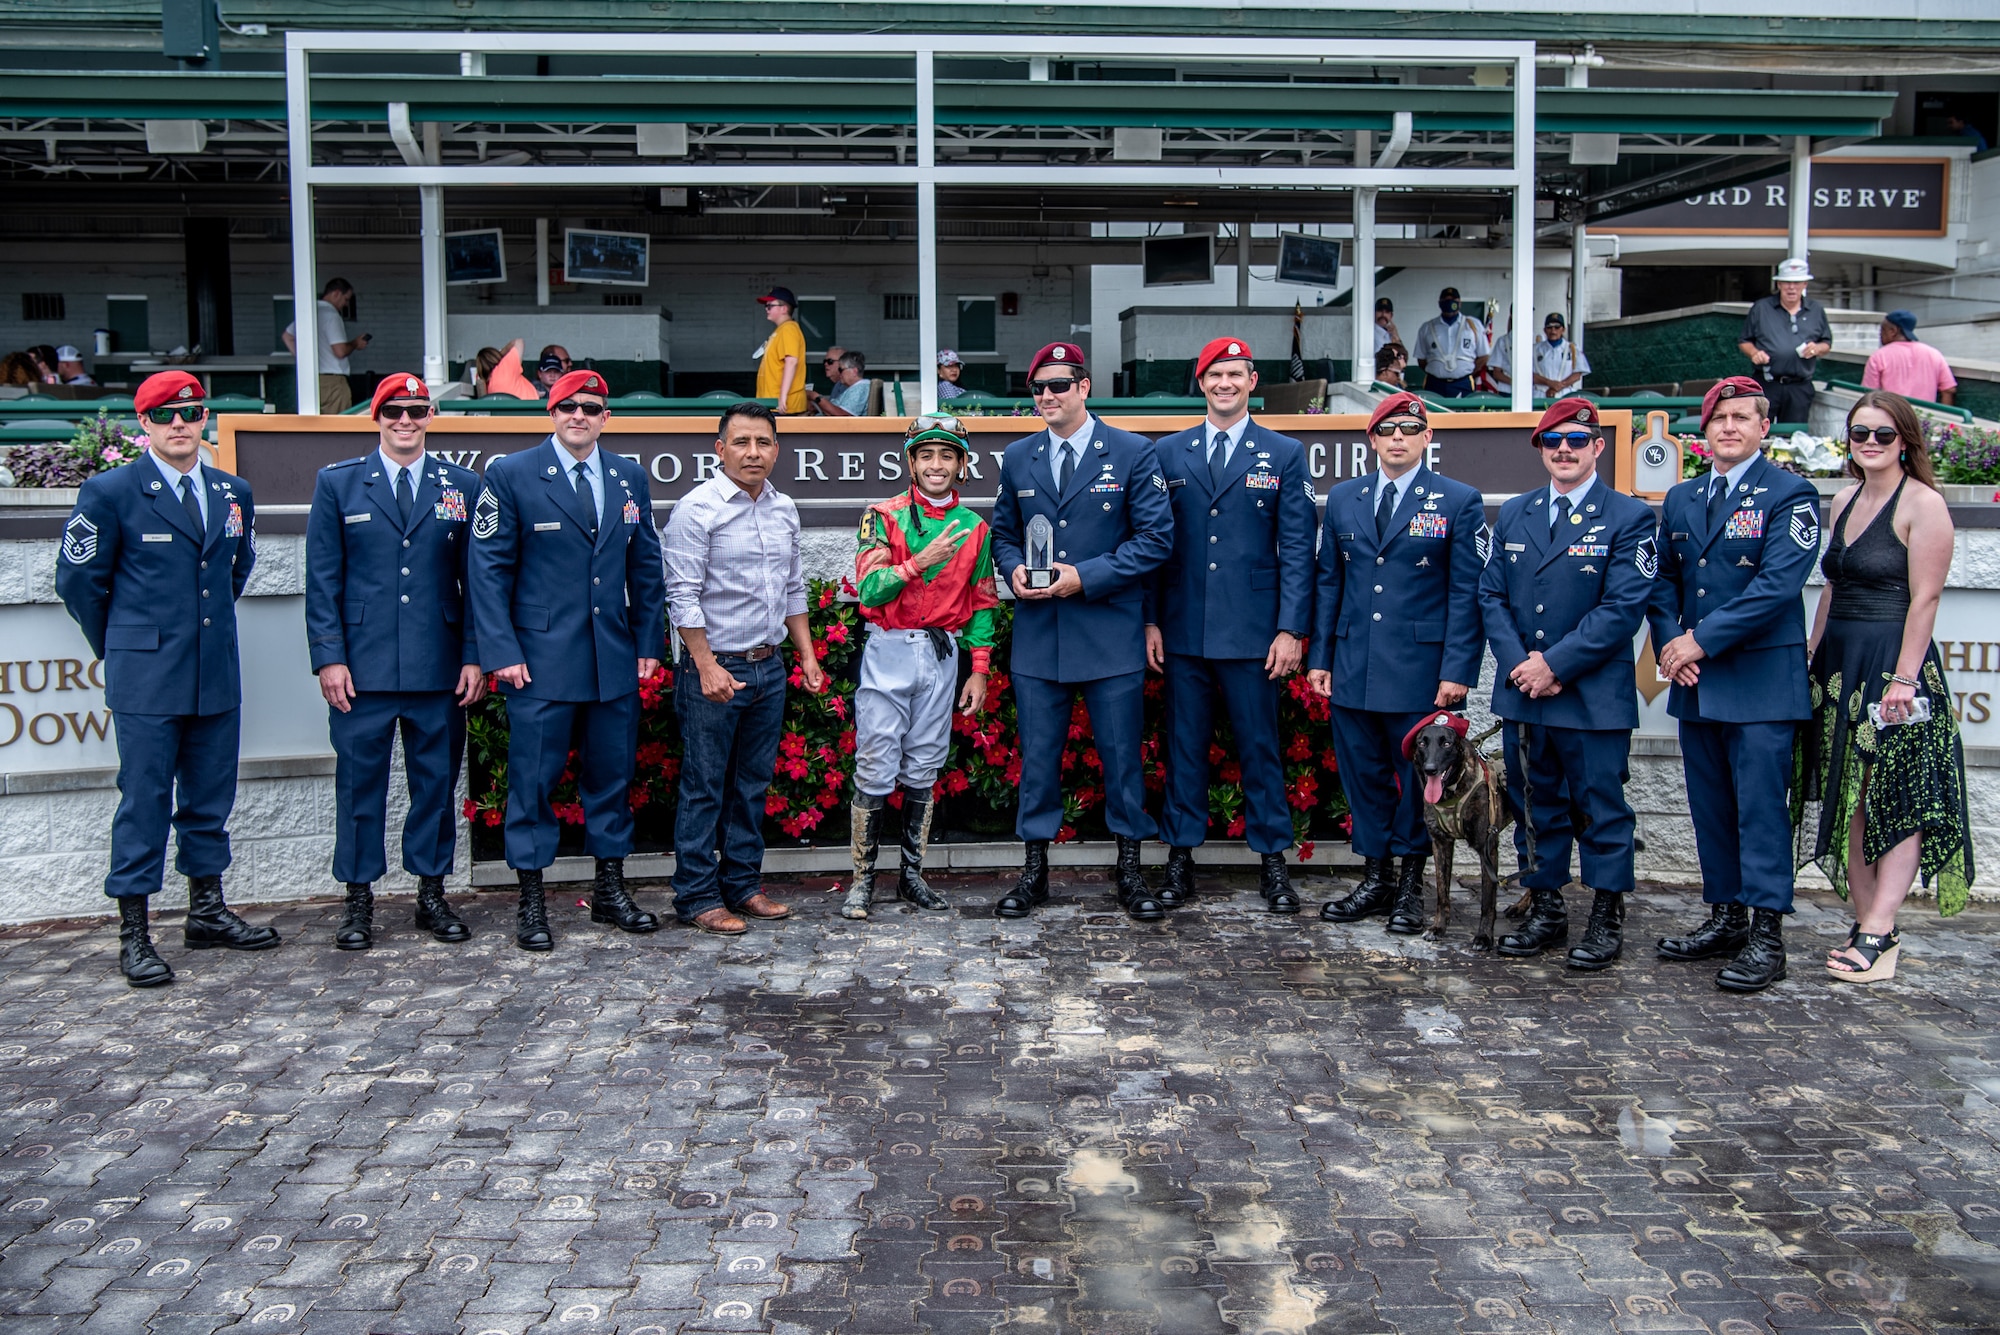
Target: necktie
(405, 498)
(1068, 466)
(1385, 510)
(1716, 492)
(1218, 459)
(190, 504)
(1561, 513)
(583, 496)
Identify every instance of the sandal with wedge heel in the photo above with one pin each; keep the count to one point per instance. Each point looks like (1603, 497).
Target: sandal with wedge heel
(1879, 951)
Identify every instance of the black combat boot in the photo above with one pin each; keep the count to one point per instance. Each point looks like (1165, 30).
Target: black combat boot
(142, 964)
(1547, 924)
(210, 922)
(611, 903)
(1603, 936)
(864, 842)
(1407, 917)
(1032, 888)
(1725, 932)
(1177, 889)
(434, 913)
(531, 919)
(1134, 895)
(357, 928)
(1374, 895)
(1761, 962)
(911, 887)
(1275, 882)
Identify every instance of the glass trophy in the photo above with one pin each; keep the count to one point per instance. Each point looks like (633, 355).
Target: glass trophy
(1041, 538)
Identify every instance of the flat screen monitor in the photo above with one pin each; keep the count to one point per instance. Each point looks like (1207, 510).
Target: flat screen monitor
(622, 258)
(475, 257)
(1176, 261)
(1311, 261)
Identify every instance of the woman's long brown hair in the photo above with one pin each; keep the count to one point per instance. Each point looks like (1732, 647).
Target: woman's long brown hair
(1916, 461)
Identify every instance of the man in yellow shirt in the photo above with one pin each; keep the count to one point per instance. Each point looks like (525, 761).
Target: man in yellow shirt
(781, 372)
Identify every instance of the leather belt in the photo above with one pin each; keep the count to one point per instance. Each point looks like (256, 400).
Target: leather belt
(756, 655)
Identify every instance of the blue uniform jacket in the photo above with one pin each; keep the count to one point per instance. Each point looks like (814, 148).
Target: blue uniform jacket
(1114, 525)
(542, 592)
(385, 600)
(1394, 620)
(1579, 596)
(1737, 587)
(156, 598)
(1242, 562)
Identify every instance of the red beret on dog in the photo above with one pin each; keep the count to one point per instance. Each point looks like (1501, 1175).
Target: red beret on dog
(1736, 387)
(579, 382)
(1405, 404)
(398, 386)
(1565, 411)
(1458, 723)
(164, 388)
(1058, 354)
(1221, 350)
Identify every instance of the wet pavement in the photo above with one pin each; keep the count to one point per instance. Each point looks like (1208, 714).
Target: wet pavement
(1227, 1122)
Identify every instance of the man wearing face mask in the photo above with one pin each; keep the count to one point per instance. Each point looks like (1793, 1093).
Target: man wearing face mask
(1452, 348)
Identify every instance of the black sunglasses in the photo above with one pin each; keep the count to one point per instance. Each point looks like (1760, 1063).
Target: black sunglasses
(1576, 440)
(186, 412)
(1387, 429)
(396, 412)
(578, 406)
(1062, 385)
(1884, 435)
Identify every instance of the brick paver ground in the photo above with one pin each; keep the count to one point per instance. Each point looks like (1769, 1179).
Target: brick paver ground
(1227, 1122)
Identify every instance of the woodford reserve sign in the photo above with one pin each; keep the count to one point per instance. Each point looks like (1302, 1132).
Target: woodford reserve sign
(1850, 197)
(832, 467)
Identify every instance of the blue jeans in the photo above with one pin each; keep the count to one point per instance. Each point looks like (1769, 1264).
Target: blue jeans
(728, 754)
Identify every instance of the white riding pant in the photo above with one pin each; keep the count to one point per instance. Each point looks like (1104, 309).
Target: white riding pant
(902, 712)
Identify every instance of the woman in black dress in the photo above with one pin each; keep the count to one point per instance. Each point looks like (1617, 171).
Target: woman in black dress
(1880, 797)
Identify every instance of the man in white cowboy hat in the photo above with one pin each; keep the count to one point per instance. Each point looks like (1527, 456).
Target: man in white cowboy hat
(1784, 336)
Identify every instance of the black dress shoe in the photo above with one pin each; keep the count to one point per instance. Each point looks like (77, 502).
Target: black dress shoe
(1407, 917)
(1761, 962)
(611, 903)
(1134, 895)
(210, 923)
(1603, 936)
(531, 917)
(357, 926)
(1547, 924)
(1177, 888)
(434, 913)
(1725, 933)
(1033, 887)
(1374, 895)
(140, 963)
(1275, 883)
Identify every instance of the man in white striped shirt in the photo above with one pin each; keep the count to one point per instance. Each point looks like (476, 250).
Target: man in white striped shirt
(735, 592)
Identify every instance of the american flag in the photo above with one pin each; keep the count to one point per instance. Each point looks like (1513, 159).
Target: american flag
(1298, 353)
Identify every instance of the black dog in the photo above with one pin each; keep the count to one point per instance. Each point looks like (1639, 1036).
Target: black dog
(1463, 799)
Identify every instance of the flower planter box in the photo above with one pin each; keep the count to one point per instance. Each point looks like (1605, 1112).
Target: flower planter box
(1960, 493)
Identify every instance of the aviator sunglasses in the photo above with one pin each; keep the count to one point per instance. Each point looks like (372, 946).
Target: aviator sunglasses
(186, 412)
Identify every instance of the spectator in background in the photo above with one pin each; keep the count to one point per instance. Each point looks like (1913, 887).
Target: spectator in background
(1907, 366)
(830, 364)
(1390, 359)
(1784, 336)
(781, 358)
(44, 356)
(336, 300)
(1452, 347)
(949, 370)
(850, 389)
(69, 366)
(1560, 365)
(1964, 129)
(17, 369)
(1385, 324)
(500, 373)
(553, 366)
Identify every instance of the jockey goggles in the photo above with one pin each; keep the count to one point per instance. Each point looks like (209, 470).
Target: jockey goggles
(940, 428)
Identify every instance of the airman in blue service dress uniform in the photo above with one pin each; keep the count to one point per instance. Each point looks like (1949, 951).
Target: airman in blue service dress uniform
(388, 542)
(1729, 626)
(1229, 614)
(1565, 589)
(153, 558)
(1100, 491)
(569, 600)
(1396, 635)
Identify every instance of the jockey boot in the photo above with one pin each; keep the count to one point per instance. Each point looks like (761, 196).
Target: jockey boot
(864, 843)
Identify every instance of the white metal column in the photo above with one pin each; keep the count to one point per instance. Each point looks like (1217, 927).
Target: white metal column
(430, 200)
(1800, 198)
(305, 277)
(927, 239)
(1524, 229)
(1579, 274)
(1363, 287)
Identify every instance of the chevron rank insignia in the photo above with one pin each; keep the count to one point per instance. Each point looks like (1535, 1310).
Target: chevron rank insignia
(1805, 525)
(1483, 544)
(486, 515)
(79, 544)
(1648, 558)
(1158, 481)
